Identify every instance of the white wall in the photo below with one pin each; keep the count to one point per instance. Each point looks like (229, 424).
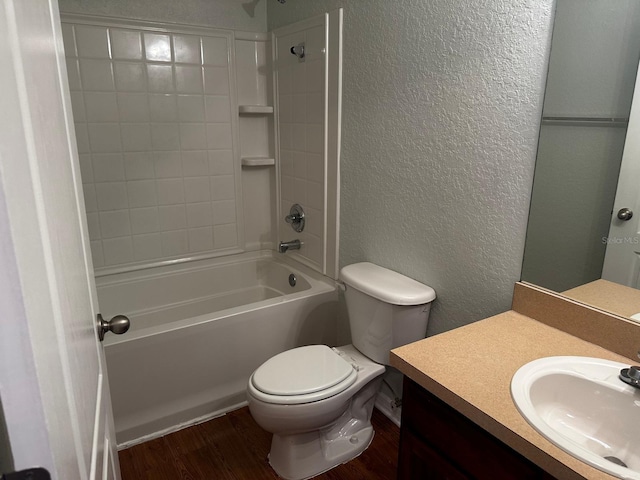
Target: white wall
(212, 13)
(441, 109)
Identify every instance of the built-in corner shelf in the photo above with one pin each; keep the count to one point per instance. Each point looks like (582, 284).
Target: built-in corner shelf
(258, 161)
(255, 109)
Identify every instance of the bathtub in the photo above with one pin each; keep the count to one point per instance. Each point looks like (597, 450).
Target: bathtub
(198, 331)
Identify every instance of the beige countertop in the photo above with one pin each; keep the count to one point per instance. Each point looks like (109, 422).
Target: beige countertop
(609, 296)
(471, 368)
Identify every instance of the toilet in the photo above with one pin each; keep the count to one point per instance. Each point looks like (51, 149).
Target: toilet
(316, 400)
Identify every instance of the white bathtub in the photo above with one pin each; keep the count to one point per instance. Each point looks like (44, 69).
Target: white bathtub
(199, 329)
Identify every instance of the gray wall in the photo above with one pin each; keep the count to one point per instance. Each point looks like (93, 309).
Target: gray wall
(441, 109)
(212, 13)
(592, 73)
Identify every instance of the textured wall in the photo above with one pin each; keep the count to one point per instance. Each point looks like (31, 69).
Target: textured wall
(440, 122)
(229, 14)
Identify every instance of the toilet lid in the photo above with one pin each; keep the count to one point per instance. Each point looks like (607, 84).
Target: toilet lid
(302, 371)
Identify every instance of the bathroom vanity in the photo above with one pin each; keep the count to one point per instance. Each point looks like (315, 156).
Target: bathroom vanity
(459, 420)
(438, 442)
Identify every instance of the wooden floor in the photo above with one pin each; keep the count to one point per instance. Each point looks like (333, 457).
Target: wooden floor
(234, 447)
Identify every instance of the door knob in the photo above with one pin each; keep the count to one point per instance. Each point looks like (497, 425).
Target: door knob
(118, 325)
(625, 214)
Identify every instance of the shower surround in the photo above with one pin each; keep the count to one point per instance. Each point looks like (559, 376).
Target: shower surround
(186, 165)
(157, 139)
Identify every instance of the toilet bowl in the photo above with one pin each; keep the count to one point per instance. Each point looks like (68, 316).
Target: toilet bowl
(316, 400)
(315, 431)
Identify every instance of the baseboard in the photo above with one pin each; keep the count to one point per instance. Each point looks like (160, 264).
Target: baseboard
(383, 403)
(175, 428)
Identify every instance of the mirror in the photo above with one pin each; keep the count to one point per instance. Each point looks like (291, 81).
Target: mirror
(593, 68)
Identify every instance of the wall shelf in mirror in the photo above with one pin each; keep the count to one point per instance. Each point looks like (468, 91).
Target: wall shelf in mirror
(257, 161)
(255, 109)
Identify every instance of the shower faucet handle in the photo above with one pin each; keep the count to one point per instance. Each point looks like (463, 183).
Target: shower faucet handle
(296, 218)
(293, 218)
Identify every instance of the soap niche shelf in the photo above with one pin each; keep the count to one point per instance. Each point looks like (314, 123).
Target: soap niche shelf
(255, 109)
(257, 161)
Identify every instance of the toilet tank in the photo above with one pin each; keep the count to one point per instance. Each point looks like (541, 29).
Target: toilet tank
(386, 309)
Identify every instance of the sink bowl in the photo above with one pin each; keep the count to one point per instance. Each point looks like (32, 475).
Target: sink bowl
(580, 405)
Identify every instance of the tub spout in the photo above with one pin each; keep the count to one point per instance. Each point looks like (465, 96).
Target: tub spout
(291, 245)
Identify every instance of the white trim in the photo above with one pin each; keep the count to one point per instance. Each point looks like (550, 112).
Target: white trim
(334, 143)
(203, 263)
(252, 36)
(276, 134)
(317, 21)
(181, 426)
(98, 432)
(118, 22)
(130, 267)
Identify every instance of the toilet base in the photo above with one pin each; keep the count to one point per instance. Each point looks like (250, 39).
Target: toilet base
(300, 456)
(303, 456)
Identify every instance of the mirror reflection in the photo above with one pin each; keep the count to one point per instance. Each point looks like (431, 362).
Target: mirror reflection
(576, 234)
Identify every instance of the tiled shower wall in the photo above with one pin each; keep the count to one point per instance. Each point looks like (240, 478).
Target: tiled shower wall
(256, 133)
(156, 129)
(301, 105)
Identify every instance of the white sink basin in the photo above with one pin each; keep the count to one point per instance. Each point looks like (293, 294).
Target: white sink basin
(580, 405)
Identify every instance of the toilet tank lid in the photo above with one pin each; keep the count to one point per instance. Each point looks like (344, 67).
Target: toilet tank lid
(386, 285)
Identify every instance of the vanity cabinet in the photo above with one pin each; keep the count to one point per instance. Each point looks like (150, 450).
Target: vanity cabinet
(439, 443)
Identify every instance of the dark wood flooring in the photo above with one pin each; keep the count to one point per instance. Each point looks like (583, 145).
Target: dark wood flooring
(234, 447)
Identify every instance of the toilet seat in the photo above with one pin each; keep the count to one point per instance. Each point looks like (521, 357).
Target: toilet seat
(302, 375)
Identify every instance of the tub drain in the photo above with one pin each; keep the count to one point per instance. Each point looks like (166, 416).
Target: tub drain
(292, 280)
(616, 460)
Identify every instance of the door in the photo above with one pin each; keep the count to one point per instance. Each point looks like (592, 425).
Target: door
(53, 381)
(622, 258)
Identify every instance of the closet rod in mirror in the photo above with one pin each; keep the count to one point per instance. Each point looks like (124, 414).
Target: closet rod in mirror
(586, 121)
